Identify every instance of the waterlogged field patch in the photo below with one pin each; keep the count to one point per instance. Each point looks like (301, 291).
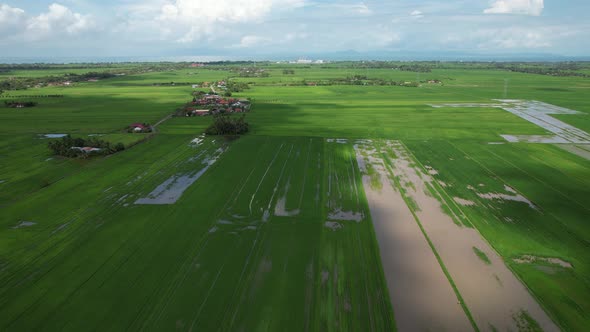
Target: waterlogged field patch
(189, 172)
(440, 220)
(351, 296)
(405, 252)
(538, 113)
(344, 199)
(552, 206)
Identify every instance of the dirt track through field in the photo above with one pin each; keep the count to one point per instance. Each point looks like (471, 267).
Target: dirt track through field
(493, 295)
(421, 295)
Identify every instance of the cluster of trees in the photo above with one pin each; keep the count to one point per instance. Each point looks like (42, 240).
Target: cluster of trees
(198, 94)
(23, 83)
(361, 80)
(420, 67)
(31, 96)
(250, 72)
(557, 70)
(172, 83)
(63, 147)
(288, 72)
(15, 104)
(13, 84)
(416, 67)
(224, 124)
(233, 86)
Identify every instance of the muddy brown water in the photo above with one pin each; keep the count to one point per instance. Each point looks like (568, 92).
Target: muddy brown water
(493, 295)
(421, 295)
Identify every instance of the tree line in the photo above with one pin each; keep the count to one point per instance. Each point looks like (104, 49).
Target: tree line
(15, 104)
(224, 124)
(23, 83)
(31, 96)
(64, 147)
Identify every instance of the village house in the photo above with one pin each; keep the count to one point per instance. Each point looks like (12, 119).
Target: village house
(210, 104)
(201, 112)
(138, 127)
(86, 149)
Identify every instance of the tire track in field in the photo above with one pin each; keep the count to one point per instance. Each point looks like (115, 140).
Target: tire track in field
(254, 247)
(305, 173)
(110, 209)
(203, 241)
(264, 176)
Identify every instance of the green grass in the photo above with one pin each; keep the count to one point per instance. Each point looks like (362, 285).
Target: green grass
(222, 258)
(482, 255)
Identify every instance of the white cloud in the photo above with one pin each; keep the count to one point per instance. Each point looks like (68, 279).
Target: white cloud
(522, 7)
(417, 14)
(11, 19)
(510, 38)
(57, 21)
(195, 19)
(362, 9)
(251, 40)
(355, 8)
(10, 15)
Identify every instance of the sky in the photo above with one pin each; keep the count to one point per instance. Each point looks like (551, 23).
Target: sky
(296, 28)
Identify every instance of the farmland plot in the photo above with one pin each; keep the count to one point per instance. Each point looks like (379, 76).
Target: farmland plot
(270, 243)
(406, 254)
(547, 222)
(276, 233)
(492, 295)
(189, 171)
(351, 291)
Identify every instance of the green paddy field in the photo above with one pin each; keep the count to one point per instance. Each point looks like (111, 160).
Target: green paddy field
(258, 241)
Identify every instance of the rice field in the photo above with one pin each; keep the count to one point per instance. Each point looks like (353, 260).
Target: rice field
(314, 221)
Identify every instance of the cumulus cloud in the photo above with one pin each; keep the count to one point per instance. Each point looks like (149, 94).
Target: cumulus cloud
(195, 19)
(59, 19)
(10, 15)
(522, 7)
(56, 22)
(10, 18)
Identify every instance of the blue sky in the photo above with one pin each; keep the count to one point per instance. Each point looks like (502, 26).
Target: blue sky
(296, 27)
